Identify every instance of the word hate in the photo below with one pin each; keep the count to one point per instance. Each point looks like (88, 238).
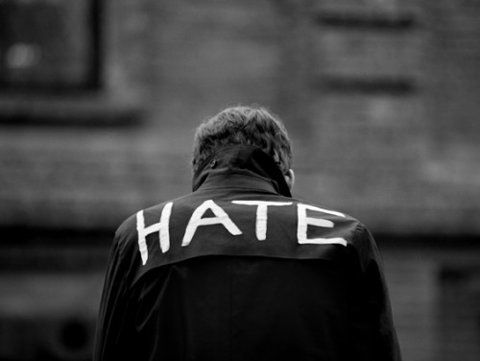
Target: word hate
(220, 217)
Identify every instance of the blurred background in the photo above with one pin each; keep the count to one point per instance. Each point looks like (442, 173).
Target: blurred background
(98, 105)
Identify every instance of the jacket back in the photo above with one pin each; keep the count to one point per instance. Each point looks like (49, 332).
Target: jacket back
(240, 270)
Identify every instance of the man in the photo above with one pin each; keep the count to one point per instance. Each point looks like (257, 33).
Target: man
(240, 270)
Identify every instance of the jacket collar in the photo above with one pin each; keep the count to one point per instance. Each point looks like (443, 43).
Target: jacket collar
(243, 166)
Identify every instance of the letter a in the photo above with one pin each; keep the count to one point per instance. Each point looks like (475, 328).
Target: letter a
(304, 221)
(161, 227)
(220, 218)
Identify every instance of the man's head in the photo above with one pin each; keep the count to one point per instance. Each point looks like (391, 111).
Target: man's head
(244, 126)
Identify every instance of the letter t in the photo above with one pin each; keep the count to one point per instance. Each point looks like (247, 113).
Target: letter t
(262, 217)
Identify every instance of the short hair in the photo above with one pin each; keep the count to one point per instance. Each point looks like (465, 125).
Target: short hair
(243, 125)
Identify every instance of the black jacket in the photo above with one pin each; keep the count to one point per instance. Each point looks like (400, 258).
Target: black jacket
(239, 270)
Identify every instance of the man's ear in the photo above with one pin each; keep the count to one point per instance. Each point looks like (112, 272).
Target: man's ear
(290, 178)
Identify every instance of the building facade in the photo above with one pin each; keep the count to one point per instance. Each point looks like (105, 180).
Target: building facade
(99, 101)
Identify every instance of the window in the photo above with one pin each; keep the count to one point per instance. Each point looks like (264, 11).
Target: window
(459, 313)
(49, 44)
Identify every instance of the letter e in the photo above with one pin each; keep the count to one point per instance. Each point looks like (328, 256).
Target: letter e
(304, 221)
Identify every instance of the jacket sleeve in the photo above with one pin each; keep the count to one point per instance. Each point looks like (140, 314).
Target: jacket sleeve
(113, 323)
(372, 333)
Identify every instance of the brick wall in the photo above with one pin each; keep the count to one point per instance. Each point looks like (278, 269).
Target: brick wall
(434, 291)
(380, 98)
